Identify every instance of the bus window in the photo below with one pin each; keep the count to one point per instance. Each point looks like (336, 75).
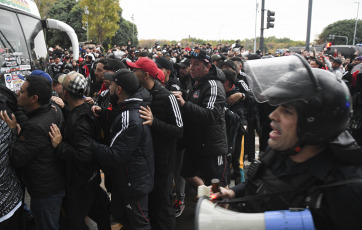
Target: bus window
(34, 36)
(14, 57)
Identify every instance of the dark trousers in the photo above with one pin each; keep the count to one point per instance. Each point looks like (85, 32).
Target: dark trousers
(132, 212)
(90, 200)
(46, 211)
(15, 222)
(162, 213)
(179, 180)
(250, 140)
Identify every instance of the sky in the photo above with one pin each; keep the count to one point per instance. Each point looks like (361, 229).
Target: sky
(233, 19)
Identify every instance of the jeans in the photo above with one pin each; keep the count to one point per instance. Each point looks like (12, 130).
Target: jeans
(46, 211)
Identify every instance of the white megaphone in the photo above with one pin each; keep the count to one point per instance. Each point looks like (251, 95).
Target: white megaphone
(211, 216)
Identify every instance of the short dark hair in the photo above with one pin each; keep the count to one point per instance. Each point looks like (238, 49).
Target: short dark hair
(40, 86)
(230, 76)
(112, 64)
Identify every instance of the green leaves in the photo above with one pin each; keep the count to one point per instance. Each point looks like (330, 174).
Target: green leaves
(341, 28)
(103, 18)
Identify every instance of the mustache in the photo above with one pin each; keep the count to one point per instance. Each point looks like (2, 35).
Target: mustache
(275, 126)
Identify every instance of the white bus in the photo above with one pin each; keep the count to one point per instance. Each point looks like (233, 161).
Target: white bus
(22, 43)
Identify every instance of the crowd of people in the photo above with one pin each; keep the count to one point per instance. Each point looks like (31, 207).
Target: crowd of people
(154, 119)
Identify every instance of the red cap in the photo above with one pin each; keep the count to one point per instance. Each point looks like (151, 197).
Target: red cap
(161, 76)
(146, 65)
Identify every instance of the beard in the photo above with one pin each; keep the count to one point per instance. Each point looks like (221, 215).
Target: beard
(113, 99)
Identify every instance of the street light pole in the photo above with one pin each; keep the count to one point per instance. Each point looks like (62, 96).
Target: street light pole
(256, 16)
(355, 26)
(310, 6)
(132, 28)
(262, 26)
(86, 12)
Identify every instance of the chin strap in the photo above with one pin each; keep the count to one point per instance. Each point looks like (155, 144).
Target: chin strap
(295, 150)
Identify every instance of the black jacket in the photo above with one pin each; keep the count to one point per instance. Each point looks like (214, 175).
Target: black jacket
(166, 128)
(129, 157)
(173, 83)
(334, 207)
(42, 170)
(76, 148)
(235, 120)
(204, 116)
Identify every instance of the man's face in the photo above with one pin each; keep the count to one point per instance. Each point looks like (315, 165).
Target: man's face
(185, 71)
(23, 99)
(335, 65)
(198, 69)
(57, 87)
(140, 75)
(284, 128)
(313, 64)
(57, 60)
(112, 87)
(99, 71)
(107, 83)
(166, 73)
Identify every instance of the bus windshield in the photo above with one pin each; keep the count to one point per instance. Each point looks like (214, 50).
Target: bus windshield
(22, 47)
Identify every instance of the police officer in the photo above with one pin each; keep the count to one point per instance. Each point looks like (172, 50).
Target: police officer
(305, 165)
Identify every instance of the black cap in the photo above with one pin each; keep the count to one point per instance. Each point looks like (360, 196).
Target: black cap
(337, 60)
(56, 77)
(164, 63)
(184, 63)
(229, 63)
(217, 57)
(200, 54)
(124, 78)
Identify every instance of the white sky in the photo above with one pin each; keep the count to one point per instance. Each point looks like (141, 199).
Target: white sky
(232, 19)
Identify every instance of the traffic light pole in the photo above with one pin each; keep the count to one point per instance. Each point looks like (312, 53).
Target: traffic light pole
(262, 26)
(308, 25)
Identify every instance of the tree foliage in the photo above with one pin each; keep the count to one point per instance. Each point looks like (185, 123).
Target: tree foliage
(67, 11)
(103, 18)
(44, 7)
(341, 28)
(124, 33)
(270, 43)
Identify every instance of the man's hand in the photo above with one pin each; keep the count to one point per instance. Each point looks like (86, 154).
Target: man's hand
(96, 110)
(58, 101)
(234, 98)
(178, 95)
(10, 121)
(225, 193)
(89, 100)
(146, 114)
(55, 136)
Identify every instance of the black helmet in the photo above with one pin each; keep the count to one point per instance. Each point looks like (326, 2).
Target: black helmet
(323, 102)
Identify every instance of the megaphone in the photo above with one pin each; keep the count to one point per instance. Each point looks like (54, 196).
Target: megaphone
(209, 216)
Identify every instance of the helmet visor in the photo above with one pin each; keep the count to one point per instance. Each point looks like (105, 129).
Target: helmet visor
(280, 80)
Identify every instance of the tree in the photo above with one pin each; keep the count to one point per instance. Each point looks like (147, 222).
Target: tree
(44, 7)
(341, 28)
(124, 33)
(102, 19)
(67, 11)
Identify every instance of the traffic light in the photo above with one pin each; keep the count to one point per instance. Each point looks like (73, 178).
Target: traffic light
(270, 19)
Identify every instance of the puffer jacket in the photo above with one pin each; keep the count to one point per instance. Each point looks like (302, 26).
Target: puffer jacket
(42, 171)
(129, 157)
(204, 116)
